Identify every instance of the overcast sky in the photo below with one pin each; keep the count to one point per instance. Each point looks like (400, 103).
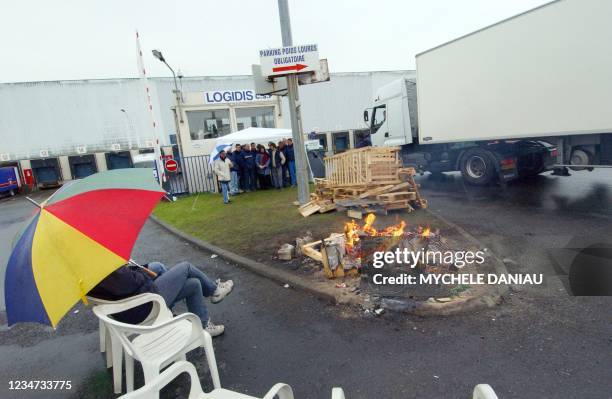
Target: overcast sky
(89, 39)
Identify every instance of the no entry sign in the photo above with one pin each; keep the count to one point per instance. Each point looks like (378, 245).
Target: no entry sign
(171, 165)
(288, 60)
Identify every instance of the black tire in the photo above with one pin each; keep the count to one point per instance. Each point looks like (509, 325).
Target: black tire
(477, 167)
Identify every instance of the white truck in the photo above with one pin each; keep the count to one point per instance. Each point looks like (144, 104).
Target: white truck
(525, 95)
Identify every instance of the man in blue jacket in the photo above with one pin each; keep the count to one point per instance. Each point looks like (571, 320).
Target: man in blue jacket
(290, 155)
(237, 162)
(250, 170)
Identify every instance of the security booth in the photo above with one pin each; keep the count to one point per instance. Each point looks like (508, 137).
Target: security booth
(82, 165)
(47, 172)
(209, 115)
(119, 160)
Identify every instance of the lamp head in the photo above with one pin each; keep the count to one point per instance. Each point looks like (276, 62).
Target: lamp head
(157, 54)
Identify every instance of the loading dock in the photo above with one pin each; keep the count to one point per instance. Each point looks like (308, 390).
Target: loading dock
(119, 160)
(82, 165)
(47, 172)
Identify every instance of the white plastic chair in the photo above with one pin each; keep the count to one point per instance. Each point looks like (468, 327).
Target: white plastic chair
(157, 312)
(114, 353)
(157, 345)
(152, 388)
(484, 391)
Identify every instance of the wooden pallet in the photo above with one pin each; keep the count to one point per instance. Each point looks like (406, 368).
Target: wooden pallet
(363, 166)
(397, 196)
(365, 180)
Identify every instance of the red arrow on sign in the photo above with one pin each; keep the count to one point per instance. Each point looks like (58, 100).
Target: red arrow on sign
(296, 67)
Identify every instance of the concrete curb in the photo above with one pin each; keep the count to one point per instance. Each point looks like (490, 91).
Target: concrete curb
(482, 298)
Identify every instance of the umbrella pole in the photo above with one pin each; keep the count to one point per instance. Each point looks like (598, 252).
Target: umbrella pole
(34, 202)
(149, 272)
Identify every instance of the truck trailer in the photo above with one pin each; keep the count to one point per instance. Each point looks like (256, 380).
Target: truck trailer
(528, 94)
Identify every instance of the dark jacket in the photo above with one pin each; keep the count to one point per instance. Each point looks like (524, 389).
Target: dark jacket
(240, 162)
(124, 283)
(249, 159)
(278, 161)
(234, 157)
(289, 154)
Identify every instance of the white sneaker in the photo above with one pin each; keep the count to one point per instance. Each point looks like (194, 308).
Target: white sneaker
(214, 329)
(223, 289)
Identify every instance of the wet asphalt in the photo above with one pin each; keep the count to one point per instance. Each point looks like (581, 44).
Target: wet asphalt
(538, 343)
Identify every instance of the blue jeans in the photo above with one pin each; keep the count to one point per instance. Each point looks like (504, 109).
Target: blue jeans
(224, 191)
(157, 268)
(234, 188)
(185, 281)
(292, 172)
(277, 176)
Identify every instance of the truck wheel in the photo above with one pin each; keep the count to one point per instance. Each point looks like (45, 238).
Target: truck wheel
(580, 157)
(477, 167)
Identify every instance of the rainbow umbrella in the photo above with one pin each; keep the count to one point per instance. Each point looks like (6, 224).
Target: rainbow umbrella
(80, 235)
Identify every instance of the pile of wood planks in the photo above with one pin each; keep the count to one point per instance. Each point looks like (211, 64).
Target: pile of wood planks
(369, 179)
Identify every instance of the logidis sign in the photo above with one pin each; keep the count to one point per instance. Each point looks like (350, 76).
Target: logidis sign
(233, 96)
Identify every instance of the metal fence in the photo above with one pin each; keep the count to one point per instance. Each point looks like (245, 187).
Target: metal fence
(195, 175)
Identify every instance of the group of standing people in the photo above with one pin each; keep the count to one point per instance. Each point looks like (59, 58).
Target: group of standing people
(251, 167)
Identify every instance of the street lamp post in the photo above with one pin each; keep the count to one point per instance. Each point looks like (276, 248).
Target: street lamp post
(179, 100)
(130, 129)
(180, 77)
(157, 54)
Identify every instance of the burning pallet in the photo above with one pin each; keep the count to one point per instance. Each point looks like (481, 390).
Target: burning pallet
(340, 253)
(365, 180)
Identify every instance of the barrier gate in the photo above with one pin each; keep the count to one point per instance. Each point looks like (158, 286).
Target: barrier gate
(194, 175)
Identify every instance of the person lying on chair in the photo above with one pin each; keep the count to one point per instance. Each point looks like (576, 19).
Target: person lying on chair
(181, 282)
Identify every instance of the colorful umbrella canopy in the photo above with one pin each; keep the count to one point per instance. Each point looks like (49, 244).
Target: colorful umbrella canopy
(80, 235)
(214, 155)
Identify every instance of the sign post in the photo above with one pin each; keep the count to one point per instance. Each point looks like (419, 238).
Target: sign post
(171, 165)
(294, 63)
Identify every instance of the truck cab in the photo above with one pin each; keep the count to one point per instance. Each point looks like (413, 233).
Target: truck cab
(389, 117)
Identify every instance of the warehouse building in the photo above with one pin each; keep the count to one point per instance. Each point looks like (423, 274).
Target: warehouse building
(62, 130)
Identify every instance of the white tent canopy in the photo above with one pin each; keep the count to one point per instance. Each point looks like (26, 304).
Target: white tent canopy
(257, 135)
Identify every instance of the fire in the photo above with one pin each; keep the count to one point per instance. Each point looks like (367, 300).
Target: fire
(426, 232)
(352, 230)
(369, 221)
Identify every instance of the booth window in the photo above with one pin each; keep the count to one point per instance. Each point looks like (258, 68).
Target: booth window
(255, 117)
(208, 124)
(322, 140)
(361, 138)
(340, 141)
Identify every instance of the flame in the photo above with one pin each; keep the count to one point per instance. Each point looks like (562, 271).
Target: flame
(426, 232)
(352, 230)
(395, 231)
(369, 221)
